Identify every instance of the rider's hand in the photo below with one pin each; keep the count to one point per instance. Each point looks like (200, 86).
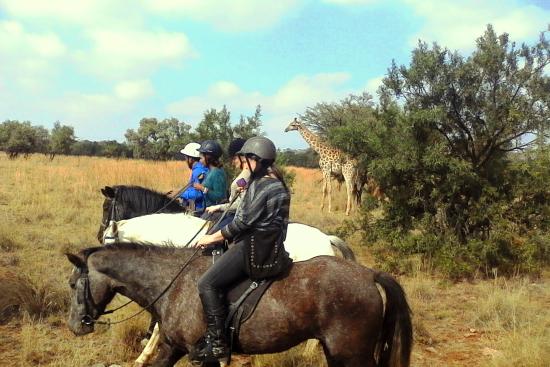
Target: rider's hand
(198, 186)
(211, 209)
(204, 241)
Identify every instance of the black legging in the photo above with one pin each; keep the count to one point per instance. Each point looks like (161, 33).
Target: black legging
(226, 271)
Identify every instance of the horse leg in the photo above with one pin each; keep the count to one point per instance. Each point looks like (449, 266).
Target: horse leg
(341, 351)
(149, 349)
(168, 355)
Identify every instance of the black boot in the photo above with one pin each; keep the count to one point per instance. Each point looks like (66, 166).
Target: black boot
(213, 345)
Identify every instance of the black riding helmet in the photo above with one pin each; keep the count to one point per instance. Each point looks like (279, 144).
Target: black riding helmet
(235, 146)
(259, 146)
(211, 147)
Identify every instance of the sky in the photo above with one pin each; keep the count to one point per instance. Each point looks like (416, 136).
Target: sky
(102, 65)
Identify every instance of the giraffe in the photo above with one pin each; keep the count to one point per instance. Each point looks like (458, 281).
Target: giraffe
(332, 161)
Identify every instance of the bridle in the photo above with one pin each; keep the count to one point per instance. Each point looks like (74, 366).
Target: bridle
(112, 214)
(90, 307)
(87, 298)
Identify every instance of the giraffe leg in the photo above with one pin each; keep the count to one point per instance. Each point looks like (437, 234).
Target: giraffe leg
(324, 193)
(349, 189)
(329, 193)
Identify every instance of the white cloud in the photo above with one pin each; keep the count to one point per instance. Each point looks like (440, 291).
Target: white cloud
(130, 53)
(372, 86)
(29, 59)
(457, 24)
(293, 97)
(278, 108)
(133, 90)
(76, 13)
(351, 2)
(228, 15)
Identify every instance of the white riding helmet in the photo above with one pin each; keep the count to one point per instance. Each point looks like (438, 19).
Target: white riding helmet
(191, 150)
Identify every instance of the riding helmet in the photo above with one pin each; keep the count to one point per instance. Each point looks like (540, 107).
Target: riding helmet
(191, 150)
(259, 146)
(212, 148)
(235, 146)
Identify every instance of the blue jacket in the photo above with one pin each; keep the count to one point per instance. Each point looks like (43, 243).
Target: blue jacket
(198, 174)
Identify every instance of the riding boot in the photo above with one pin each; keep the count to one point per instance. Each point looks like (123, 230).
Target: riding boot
(213, 345)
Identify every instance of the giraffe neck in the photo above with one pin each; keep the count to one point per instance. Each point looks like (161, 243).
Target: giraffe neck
(313, 140)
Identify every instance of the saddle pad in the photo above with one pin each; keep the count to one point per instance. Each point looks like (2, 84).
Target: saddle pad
(241, 306)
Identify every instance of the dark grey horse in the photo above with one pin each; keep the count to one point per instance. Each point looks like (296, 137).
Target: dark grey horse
(326, 298)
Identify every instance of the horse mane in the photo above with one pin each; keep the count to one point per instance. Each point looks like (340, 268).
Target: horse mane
(132, 246)
(144, 198)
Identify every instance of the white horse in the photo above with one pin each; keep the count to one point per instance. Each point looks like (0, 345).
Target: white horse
(302, 242)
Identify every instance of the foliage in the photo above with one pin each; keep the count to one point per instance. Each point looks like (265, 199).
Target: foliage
(216, 125)
(104, 148)
(159, 140)
(62, 138)
(22, 138)
(447, 148)
(300, 158)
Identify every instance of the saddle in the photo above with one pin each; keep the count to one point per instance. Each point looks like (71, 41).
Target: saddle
(241, 299)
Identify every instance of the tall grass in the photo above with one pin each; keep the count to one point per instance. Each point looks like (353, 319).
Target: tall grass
(50, 207)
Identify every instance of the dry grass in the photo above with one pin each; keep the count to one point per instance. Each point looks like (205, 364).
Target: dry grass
(49, 207)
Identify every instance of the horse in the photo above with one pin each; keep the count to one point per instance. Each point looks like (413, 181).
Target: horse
(127, 218)
(127, 202)
(327, 298)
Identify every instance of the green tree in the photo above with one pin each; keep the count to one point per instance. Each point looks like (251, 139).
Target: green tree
(216, 125)
(22, 138)
(158, 140)
(62, 139)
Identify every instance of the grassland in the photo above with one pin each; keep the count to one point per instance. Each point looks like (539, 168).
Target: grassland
(49, 207)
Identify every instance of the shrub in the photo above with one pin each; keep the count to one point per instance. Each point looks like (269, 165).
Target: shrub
(22, 295)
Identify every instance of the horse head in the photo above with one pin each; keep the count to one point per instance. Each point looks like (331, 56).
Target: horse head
(91, 291)
(111, 208)
(126, 202)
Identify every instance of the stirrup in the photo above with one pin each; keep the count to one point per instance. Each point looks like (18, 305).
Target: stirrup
(205, 351)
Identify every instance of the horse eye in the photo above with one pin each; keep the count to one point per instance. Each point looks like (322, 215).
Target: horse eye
(72, 284)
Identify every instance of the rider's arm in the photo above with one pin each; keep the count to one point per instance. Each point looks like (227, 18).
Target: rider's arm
(252, 208)
(216, 185)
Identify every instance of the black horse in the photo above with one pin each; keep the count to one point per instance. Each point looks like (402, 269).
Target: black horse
(126, 202)
(326, 298)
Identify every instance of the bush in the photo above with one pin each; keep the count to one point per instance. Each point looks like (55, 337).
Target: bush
(22, 295)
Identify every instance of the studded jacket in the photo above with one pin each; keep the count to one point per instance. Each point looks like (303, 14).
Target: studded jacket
(260, 224)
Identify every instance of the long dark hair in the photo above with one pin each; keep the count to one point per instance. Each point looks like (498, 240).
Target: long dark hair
(267, 167)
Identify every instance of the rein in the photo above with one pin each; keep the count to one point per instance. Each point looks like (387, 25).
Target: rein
(87, 319)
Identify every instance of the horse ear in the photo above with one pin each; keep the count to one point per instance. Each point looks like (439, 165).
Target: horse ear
(76, 260)
(108, 192)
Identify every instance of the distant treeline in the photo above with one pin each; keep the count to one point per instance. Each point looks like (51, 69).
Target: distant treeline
(154, 139)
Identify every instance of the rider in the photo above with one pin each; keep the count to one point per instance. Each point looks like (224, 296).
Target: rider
(214, 186)
(258, 231)
(192, 197)
(237, 188)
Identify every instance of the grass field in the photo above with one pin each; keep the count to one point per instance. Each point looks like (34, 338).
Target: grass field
(49, 207)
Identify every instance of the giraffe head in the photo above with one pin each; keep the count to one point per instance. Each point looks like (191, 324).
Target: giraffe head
(294, 125)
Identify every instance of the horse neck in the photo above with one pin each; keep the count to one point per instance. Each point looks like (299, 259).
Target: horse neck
(148, 202)
(142, 274)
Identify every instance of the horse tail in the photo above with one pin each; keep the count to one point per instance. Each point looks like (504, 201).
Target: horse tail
(343, 247)
(396, 338)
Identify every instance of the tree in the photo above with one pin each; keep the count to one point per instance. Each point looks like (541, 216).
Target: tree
(62, 138)
(484, 105)
(158, 140)
(463, 115)
(22, 138)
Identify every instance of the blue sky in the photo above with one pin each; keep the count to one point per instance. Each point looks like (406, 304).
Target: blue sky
(102, 65)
